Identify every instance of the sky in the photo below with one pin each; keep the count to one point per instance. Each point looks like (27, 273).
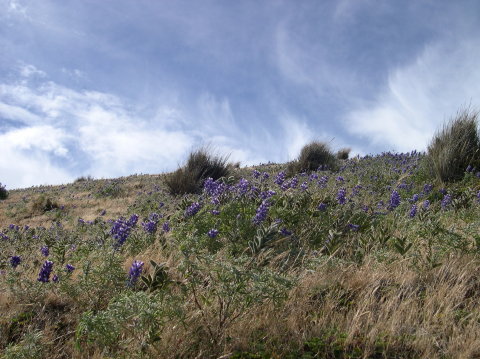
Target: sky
(116, 87)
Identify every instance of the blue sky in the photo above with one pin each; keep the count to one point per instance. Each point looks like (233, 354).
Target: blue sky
(114, 87)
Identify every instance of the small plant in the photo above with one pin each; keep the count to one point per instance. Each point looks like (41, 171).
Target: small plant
(455, 147)
(313, 156)
(3, 192)
(200, 166)
(343, 153)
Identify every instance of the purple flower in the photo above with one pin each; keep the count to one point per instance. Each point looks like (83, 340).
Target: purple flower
(150, 227)
(426, 204)
(322, 182)
(413, 211)
(69, 268)
(212, 233)
(285, 232)
(45, 271)
(322, 207)
(341, 196)
(166, 227)
(280, 178)
(15, 261)
(132, 222)
(45, 251)
(415, 197)
(135, 272)
(427, 188)
(340, 179)
(304, 186)
(469, 168)
(55, 278)
(353, 227)
(447, 199)
(193, 209)
(256, 174)
(262, 212)
(103, 212)
(478, 195)
(394, 200)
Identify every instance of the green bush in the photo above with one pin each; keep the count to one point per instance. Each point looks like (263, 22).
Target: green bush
(312, 156)
(200, 165)
(3, 192)
(455, 147)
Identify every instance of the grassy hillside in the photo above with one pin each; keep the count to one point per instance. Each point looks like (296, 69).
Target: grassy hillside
(377, 259)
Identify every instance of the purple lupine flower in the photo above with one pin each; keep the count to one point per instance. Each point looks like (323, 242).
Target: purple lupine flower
(121, 230)
(340, 179)
(427, 188)
(132, 222)
(322, 207)
(304, 186)
(215, 212)
(413, 211)
(262, 212)
(353, 227)
(81, 221)
(45, 251)
(15, 261)
(166, 227)
(150, 227)
(242, 186)
(426, 204)
(477, 174)
(55, 278)
(212, 233)
(103, 212)
(415, 197)
(267, 194)
(294, 182)
(394, 200)
(447, 199)
(265, 176)
(322, 182)
(469, 168)
(193, 209)
(45, 271)
(135, 272)
(69, 268)
(280, 178)
(285, 232)
(155, 217)
(256, 174)
(341, 196)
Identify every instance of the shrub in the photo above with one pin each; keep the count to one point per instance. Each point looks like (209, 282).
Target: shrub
(84, 179)
(43, 204)
(3, 192)
(312, 157)
(343, 153)
(455, 147)
(200, 166)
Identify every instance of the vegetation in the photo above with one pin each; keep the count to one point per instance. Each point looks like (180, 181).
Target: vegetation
(374, 260)
(3, 192)
(313, 156)
(456, 147)
(201, 164)
(343, 153)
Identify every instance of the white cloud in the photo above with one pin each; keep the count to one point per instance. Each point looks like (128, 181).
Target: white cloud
(421, 96)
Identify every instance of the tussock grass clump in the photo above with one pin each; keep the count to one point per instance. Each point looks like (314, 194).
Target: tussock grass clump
(43, 204)
(455, 147)
(201, 164)
(313, 156)
(3, 192)
(84, 179)
(343, 153)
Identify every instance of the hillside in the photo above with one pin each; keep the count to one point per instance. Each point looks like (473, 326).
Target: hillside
(376, 258)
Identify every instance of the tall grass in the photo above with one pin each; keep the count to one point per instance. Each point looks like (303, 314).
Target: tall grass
(313, 156)
(201, 164)
(455, 147)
